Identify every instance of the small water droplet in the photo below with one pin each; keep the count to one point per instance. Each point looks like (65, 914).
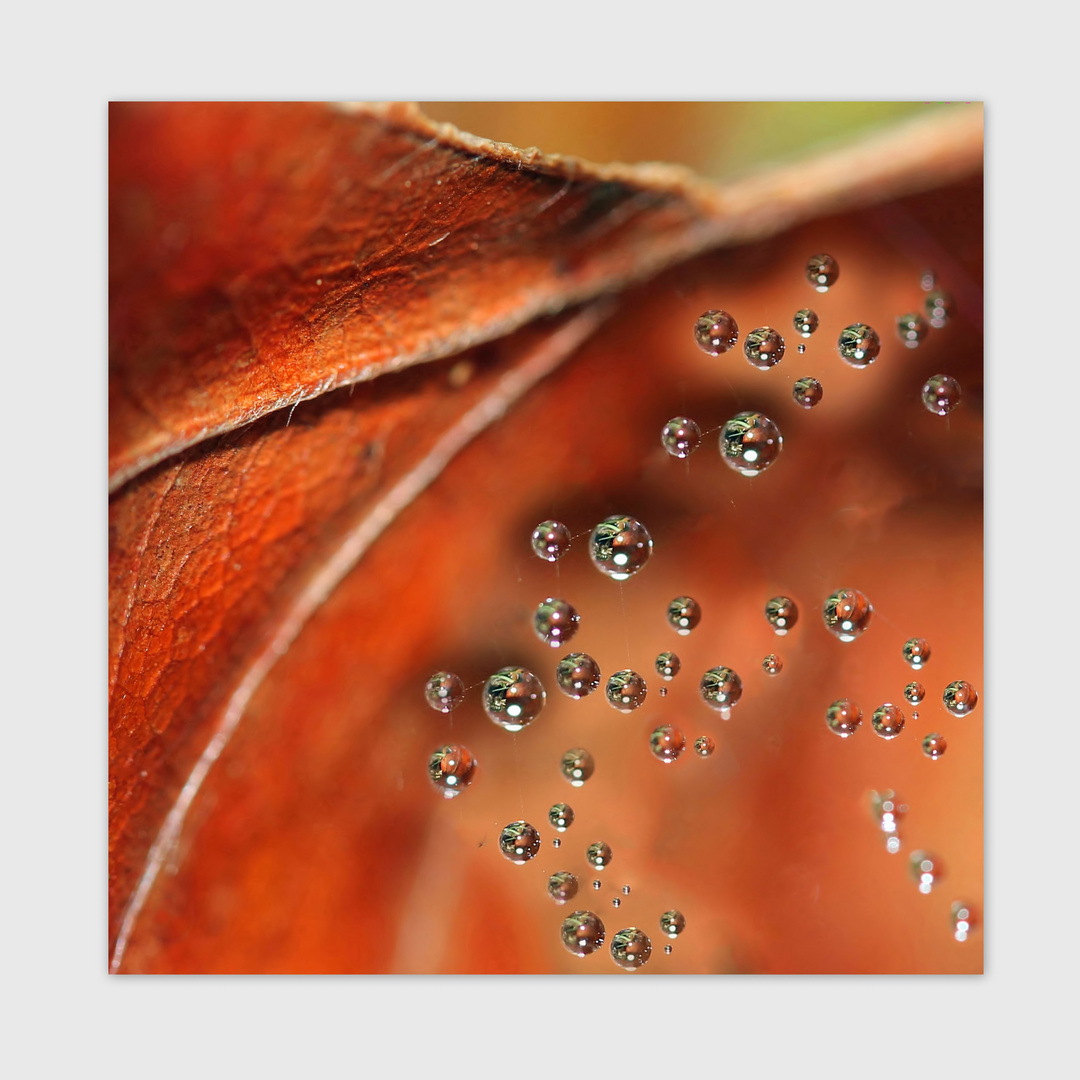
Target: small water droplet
(781, 613)
(519, 842)
(562, 886)
(772, 664)
(626, 890)
(513, 698)
(716, 332)
(620, 546)
(934, 745)
(577, 766)
(444, 691)
(452, 769)
(915, 692)
(939, 308)
(582, 932)
(802, 349)
(916, 652)
(672, 923)
(807, 392)
(888, 720)
(556, 842)
(683, 614)
(555, 621)
(843, 717)
(721, 689)
(859, 345)
(667, 665)
(887, 810)
(598, 855)
(963, 919)
(626, 690)
(960, 697)
(561, 816)
(822, 272)
(704, 746)
(764, 347)
(631, 948)
(941, 394)
(750, 442)
(615, 901)
(667, 949)
(928, 280)
(597, 884)
(667, 742)
(680, 436)
(551, 540)
(911, 329)
(926, 869)
(577, 675)
(805, 322)
(847, 613)
(663, 691)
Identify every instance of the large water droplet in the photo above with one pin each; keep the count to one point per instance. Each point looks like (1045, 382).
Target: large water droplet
(939, 307)
(721, 689)
(781, 613)
(704, 746)
(911, 329)
(513, 697)
(620, 546)
(631, 948)
(960, 697)
(843, 717)
(577, 675)
(444, 691)
(934, 745)
(626, 690)
(668, 665)
(847, 613)
(577, 766)
(582, 932)
(805, 322)
(963, 919)
(772, 664)
(683, 614)
(519, 842)
(598, 855)
(716, 332)
(915, 692)
(822, 272)
(750, 442)
(667, 742)
(888, 720)
(551, 540)
(562, 886)
(764, 347)
(807, 392)
(561, 816)
(680, 436)
(926, 869)
(916, 652)
(672, 923)
(555, 621)
(941, 394)
(859, 345)
(452, 769)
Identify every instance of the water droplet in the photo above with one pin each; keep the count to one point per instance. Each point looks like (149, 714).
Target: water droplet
(805, 321)
(916, 652)
(822, 272)
(888, 720)
(859, 345)
(513, 697)
(941, 394)
(781, 613)
(934, 745)
(721, 689)
(626, 690)
(626, 890)
(519, 842)
(667, 742)
(672, 923)
(915, 692)
(683, 614)
(452, 769)
(667, 949)
(912, 329)
(847, 613)
(960, 698)
(843, 717)
(887, 810)
(556, 842)
(561, 816)
(963, 919)
(772, 664)
(562, 886)
(926, 869)
(667, 665)
(631, 948)
(577, 675)
(597, 884)
(620, 546)
(680, 436)
(551, 540)
(615, 901)
(750, 442)
(555, 621)
(598, 855)
(802, 349)
(582, 933)
(928, 280)
(807, 392)
(663, 691)
(939, 308)
(577, 766)
(444, 691)
(716, 332)
(704, 746)
(764, 347)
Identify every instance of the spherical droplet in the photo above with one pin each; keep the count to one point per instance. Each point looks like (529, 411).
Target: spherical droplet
(561, 816)
(626, 890)
(519, 842)
(847, 613)
(807, 392)
(577, 766)
(960, 698)
(888, 720)
(598, 855)
(444, 691)
(781, 613)
(941, 394)
(822, 272)
(513, 697)
(887, 811)
(963, 919)
(801, 348)
(939, 307)
(843, 717)
(721, 689)
(915, 692)
(772, 664)
(555, 621)
(928, 280)
(683, 614)
(859, 344)
(916, 652)
(668, 665)
(620, 546)
(716, 332)
(667, 950)
(582, 932)
(764, 347)
(626, 690)
(597, 884)
(672, 923)
(556, 842)
(667, 742)
(562, 886)
(750, 442)
(704, 746)
(452, 769)
(551, 540)
(577, 675)
(911, 329)
(805, 321)
(926, 869)
(615, 901)
(934, 745)
(631, 948)
(680, 436)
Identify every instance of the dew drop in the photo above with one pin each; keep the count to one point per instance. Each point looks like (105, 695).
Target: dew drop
(802, 349)
(555, 621)
(513, 698)
(847, 613)
(667, 742)
(620, 546)
(519, 842)
(911, 329)
(807, 392)
(716, 332)
(444, 691)
(750, 442)
(668, 665)
(805, 322)
(928, 280)
(888, 720)
(631, 948)
(626, 690)
(582, 933)
(597, 884)
(667, 950)
(934, 745)
(887, 811)
(663, 691)
(598, 855)
(859, 345)
(941, 394)
(781, 613)
(916, 652)
(577, 766)
(764, 347)
(721, 689)
(683, 614)
(551, 540)
(672, 923)
(772, 664)
(556, 842)
(615, 901)
(926, 869)
(452, 769)
(960, 698)
(963, 919)
(626, 890)
(704, 746)
(680, 436)
(822, 272)
(915, 692)
(939, 308)
(577, 675)
(843, 717)
(561, 816)
(562, 886)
